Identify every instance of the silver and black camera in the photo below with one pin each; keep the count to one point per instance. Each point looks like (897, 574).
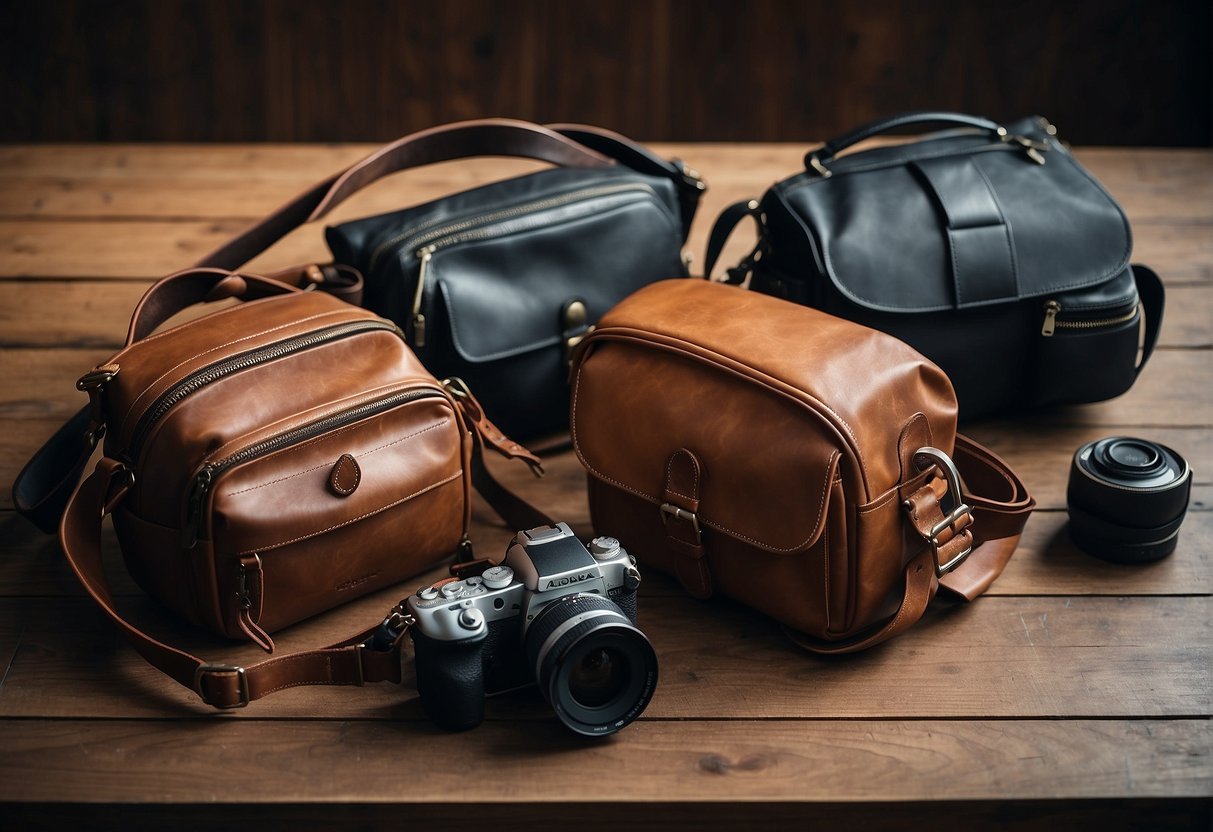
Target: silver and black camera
(553, 613)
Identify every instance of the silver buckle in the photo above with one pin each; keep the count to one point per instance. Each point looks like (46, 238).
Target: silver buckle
(682, 514)
(953, 506)
(222, 668)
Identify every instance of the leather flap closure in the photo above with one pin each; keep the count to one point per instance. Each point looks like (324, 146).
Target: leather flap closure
(763, 468)
(954, 222)
(508, 295)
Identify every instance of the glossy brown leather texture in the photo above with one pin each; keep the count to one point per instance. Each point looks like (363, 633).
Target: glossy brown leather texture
(769, 452)
(267, 462)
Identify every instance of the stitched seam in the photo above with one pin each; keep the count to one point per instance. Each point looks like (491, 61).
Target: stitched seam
(1081, 284)
(669, 477)
(1006, 224)
(535, 345)
(336, 486)
(345, 404)
(317, 467)
(159, 378)
(589, 467)
(370, 513)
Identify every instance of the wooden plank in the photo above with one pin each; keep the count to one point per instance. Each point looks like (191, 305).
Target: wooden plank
(1041, 454)
(85, 313)
(650, 762)
(1048, 563)
(1001, 657)
(247, 181)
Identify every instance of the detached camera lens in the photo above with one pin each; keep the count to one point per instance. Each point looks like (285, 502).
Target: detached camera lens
(593, 665)
(1127, 498)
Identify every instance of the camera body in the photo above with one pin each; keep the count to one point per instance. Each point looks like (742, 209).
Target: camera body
(553, 613)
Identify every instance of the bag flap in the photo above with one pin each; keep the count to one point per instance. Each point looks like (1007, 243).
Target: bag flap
(855, 384)
(956, 222)
(767, 469)
(505, 295)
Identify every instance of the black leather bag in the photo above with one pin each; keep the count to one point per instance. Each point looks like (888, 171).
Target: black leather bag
(496, 285)
(989, 249)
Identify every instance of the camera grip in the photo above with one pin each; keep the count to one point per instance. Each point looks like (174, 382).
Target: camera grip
(450, 680)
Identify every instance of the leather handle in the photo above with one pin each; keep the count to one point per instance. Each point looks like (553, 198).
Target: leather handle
(1153, 300)
(484, 137)
(874, 128)
(1000, 506)
(352, 662)
(172, 294)
(723, 229)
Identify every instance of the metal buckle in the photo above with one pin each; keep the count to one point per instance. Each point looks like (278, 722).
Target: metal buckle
(222, 668)
(682, 514)
(817, 165)
(952, 504)
(457, 387)
(94, 379)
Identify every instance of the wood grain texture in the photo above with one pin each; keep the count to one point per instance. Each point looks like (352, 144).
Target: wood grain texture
(711, 763)
(1076, 694)
(1118, 71)
(1013, 657)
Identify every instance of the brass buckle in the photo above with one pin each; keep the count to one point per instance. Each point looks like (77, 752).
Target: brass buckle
(94, 379)
(682, 514)
(457, 387)
(951, 503)
(222, 668)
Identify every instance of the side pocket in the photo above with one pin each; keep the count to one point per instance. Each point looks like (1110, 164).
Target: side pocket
(1076, 365)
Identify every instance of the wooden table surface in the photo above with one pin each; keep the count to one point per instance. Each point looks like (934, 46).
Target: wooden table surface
(1074, 692)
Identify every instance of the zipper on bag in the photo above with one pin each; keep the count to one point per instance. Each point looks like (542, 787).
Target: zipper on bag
(425, 240)
(1053, 308)
(204, 478)
(200, 379)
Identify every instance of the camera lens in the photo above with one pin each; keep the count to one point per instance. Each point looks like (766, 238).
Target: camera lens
(1127, 498)
(595, 667)
(599, 677)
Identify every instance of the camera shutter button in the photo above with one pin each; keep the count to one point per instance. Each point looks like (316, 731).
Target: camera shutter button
(427, 593)
(604, 548)
(471, 619)
(497, 577)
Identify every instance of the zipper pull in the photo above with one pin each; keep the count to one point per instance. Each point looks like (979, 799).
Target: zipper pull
(1052, 307)
(194, 506)
(243, 595)
(427, 254)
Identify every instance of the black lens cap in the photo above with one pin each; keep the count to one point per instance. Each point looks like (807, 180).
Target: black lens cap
(1127, 498)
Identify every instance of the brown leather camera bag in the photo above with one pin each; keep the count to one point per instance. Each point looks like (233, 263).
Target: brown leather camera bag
(268, 462)
(802, 464)
(274, 459)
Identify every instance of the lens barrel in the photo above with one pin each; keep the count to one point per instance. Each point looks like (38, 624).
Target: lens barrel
(596, 669)
(1127, 498)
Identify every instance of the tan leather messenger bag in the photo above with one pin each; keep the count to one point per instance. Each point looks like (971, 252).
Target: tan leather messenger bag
(802, 464)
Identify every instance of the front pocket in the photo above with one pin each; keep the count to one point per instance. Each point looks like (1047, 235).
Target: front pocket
(334, 507)
(1086, 357)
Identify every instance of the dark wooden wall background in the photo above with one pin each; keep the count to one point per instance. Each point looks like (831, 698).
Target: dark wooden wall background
(1107, 71)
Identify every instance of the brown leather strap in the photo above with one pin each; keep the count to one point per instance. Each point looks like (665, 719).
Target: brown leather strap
(680, 513)
(514, 510)
(999, 507)
(483, 137)
(351, 662)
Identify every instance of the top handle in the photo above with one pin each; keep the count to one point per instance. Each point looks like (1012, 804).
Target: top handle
(817, 159)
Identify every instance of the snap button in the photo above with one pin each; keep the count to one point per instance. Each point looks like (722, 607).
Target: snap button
(345, 476)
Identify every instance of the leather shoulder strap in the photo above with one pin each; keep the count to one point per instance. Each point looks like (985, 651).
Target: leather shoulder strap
(484, 137)
(355, 661)
(999, 506)
(1153, 300)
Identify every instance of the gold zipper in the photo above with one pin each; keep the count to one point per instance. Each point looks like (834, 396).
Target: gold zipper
(480, 227)
(1051, 324)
